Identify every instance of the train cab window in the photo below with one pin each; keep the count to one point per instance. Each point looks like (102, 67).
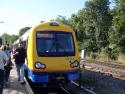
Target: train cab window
(55, 44)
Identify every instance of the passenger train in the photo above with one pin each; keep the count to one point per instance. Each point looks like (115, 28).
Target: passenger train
(52, 53)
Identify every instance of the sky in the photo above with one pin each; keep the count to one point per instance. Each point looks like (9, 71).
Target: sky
(17, 14)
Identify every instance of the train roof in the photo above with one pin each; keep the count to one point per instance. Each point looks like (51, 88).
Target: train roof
(22, 38)
(50, 25)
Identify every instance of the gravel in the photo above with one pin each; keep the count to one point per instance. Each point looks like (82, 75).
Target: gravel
(102, 82)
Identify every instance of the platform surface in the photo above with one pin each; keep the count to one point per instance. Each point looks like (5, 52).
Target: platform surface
(14, 86)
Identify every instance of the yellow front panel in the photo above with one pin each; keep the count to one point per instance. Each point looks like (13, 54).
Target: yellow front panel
(56, 63)
(52, 63)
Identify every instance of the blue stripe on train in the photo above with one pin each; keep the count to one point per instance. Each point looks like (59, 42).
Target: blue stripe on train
(44, 76)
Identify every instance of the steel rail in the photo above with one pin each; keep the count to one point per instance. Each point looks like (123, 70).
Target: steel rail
(65, 90)
(82, 87)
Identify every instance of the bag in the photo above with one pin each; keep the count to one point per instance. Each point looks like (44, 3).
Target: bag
(9, 65)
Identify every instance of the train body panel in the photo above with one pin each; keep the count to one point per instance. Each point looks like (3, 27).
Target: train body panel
(53, 63)
(46, 76)
(52, 51)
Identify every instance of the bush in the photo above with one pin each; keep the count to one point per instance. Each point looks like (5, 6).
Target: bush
(113, 52)
(93, 55)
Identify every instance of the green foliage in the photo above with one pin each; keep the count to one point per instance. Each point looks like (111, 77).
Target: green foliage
(117, 34)
(113, 52)
(93, 55)
(100, 29)
(6, 38)
(13, 38)
(62, 19)
(23, 30)
(92, 24)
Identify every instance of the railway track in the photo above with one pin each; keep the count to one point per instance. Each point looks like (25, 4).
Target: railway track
(70, 88)
(40, 89)
(84, 88)
(74, 88)
(65, 90)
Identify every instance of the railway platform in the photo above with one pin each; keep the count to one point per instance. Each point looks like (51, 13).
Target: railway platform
(14, 86)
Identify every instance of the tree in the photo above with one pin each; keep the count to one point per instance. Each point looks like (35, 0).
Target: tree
(14, 38)
(117, 34)
(92, 24)
(76, 22)
(23, 30)
(63, 20)
(101, 19)
(8, 39)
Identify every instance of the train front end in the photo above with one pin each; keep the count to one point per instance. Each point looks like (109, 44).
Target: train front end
(52, 53)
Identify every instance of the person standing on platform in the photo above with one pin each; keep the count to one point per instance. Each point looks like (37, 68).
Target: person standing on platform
(19, 56)
(8, 66)
(3, 60)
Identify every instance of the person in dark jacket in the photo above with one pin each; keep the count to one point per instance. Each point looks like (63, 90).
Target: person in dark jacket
(19, 56)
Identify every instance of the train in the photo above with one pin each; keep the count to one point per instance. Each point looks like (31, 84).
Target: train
(52, 53)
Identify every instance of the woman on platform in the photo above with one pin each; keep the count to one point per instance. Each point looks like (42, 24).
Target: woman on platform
(8, 65)
(3, 59)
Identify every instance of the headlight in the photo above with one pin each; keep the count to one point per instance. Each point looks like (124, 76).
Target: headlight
(39, 65)
(74, 64)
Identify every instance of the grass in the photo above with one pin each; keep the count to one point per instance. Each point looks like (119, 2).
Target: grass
(105, 59)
